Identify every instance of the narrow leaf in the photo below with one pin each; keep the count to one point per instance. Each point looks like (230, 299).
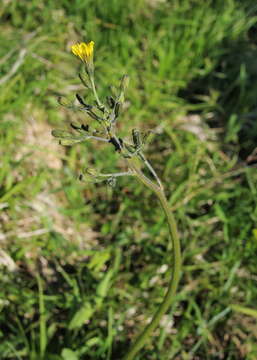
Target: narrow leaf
(62, 134)
(245, 310)
(81, 316)
(68, 354)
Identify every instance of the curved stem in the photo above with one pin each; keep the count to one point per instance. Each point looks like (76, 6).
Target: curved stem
(173, 283)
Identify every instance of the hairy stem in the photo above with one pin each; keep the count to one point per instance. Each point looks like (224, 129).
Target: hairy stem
(173, 283)
(92, 81)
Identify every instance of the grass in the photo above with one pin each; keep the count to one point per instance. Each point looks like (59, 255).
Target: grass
(83, 266)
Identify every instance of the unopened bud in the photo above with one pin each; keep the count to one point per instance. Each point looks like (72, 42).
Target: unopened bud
(91, 172)
(75, 126)
(124, 82)
(136, 136)
(111, 101)
(117, 109)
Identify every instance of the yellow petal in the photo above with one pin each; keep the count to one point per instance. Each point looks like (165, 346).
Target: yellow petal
(83, 50)
(75, 49)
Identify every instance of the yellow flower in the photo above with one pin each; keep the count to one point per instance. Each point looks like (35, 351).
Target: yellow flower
(84, 51)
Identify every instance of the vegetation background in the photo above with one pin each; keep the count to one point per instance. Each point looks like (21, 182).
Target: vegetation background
(84, 266)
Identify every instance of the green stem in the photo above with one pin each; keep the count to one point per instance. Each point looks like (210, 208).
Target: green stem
(92, 81)
(42, 318)
(173, 283)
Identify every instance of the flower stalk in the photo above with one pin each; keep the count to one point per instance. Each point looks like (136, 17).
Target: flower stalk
(132, 151)
(176, 253)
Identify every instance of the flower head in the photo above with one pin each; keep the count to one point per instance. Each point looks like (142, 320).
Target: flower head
(85, 52)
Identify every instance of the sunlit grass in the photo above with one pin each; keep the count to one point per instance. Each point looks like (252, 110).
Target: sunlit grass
(99, 250)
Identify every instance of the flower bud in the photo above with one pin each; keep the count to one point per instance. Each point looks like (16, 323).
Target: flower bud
(124, 82)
